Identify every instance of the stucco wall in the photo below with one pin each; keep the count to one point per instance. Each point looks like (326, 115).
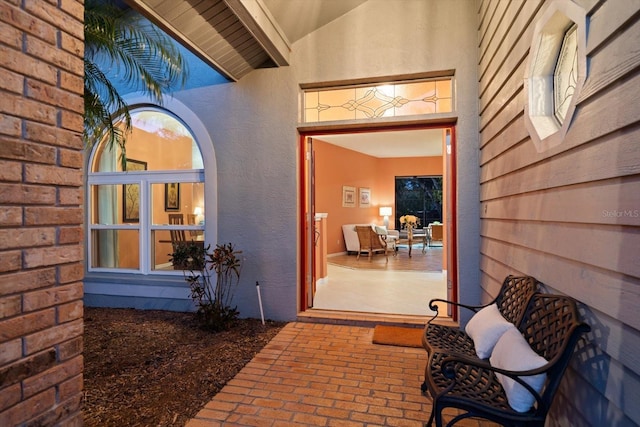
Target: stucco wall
(253, 127)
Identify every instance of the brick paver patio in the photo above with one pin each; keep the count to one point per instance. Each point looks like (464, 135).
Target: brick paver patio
(324, 375)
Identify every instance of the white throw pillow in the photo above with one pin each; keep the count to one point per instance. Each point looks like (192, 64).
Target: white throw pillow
(485, 328)
(513, 353)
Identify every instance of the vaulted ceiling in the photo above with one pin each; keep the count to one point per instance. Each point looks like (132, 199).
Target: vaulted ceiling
(238, 36)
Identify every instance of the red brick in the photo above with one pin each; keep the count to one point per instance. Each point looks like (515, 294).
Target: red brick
(15, 61)
(10, 351)
(23, 325)
(10, 125)
(71, 82)
(10, 261)
(52, 95)
(72, 45)
(26, 194)
(47, 174)
(28, 409)
(10, 306)
(71, 196)
(39, 132)
(27, 280)
(71, 387)
(27, 108)
(46, 215)
(10, 36)
(39, 257)
(26, 237)
(22, 150)
(59, 58)
(53, 376)
(10, 81)
(46, 338)
(56, 295)
(71, 348)
(10, 396)
(29, 24)
(71, 272)
(10, 171)
(70, 235)
(11, 216)
(71, 158)
(72, 121)
(55, 16)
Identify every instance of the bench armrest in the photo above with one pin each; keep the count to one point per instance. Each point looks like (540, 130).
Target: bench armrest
(434, 307)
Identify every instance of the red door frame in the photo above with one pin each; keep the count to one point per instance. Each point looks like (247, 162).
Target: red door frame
(452, 259)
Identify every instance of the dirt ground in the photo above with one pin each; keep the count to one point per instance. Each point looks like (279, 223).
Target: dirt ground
(157, 368)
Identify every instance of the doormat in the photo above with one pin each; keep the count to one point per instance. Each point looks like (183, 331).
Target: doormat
(398, 336)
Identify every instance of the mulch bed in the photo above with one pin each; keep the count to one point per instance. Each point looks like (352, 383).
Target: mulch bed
(157, 368)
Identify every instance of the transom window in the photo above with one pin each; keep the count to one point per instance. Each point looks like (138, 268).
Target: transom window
(382, 100)
(140, 210)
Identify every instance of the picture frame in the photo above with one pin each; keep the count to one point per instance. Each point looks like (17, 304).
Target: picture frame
(131, 192)
(364, 197)
(172, 197)
(348, 196)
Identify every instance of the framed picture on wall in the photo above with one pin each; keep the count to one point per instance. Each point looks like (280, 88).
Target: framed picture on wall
(365, 197)
(172, 197)
(348, 196)
(131, 193)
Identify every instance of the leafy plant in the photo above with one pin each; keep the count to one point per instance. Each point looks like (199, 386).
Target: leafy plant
(142, 56)
(212, 297)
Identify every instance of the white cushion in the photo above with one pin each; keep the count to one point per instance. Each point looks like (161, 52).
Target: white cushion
(485, 328)
(513, 353)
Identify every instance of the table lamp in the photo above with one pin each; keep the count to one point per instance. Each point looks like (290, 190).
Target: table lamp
(385, 211)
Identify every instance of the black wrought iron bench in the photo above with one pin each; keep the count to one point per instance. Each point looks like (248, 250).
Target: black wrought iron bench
(550, 326)
(511, 301)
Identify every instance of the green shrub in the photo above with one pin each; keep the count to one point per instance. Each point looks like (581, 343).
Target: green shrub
(212, 294)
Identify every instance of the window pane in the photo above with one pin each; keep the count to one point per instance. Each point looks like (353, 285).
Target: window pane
(115, 204)
(164, 242)
(157, 140)
(184, 198)
(115, 249)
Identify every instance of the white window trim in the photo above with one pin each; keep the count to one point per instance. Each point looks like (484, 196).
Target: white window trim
(208, 176)
(548, 34)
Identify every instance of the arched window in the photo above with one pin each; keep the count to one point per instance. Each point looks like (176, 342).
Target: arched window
(140, 210)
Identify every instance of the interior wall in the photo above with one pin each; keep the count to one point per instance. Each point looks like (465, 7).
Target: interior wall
(336, 166)
(569, 215)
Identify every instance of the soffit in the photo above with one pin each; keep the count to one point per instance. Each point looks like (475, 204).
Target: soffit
(233, 36)
(238, 36)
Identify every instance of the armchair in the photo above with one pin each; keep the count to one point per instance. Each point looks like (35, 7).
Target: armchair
(371, 242)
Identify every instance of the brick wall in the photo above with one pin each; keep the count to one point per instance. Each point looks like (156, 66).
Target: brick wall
(41, 212)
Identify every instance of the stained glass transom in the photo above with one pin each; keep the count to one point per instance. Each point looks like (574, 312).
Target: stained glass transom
(375, 101)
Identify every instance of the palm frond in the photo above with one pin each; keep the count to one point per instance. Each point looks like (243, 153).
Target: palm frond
(143, 57)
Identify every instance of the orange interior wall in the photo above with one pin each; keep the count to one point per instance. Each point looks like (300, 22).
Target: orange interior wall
(160, 153)
(336, 166)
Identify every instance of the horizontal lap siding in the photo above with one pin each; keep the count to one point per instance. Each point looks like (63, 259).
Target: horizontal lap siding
(570, 216)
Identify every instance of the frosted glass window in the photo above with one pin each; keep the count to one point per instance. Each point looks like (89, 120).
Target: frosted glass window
(565, 75)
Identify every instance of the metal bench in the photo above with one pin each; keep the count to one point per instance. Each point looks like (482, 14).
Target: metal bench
(550, 325)
(511, 301)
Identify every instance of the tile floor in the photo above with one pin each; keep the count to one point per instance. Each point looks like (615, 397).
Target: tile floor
(314, 374)
(380, 291)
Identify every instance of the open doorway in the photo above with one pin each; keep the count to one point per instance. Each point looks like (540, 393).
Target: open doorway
(366, 164)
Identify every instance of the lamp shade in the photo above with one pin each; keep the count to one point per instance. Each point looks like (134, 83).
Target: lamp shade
(385, 211)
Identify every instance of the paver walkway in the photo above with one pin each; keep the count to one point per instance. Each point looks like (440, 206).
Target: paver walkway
(324, 375)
